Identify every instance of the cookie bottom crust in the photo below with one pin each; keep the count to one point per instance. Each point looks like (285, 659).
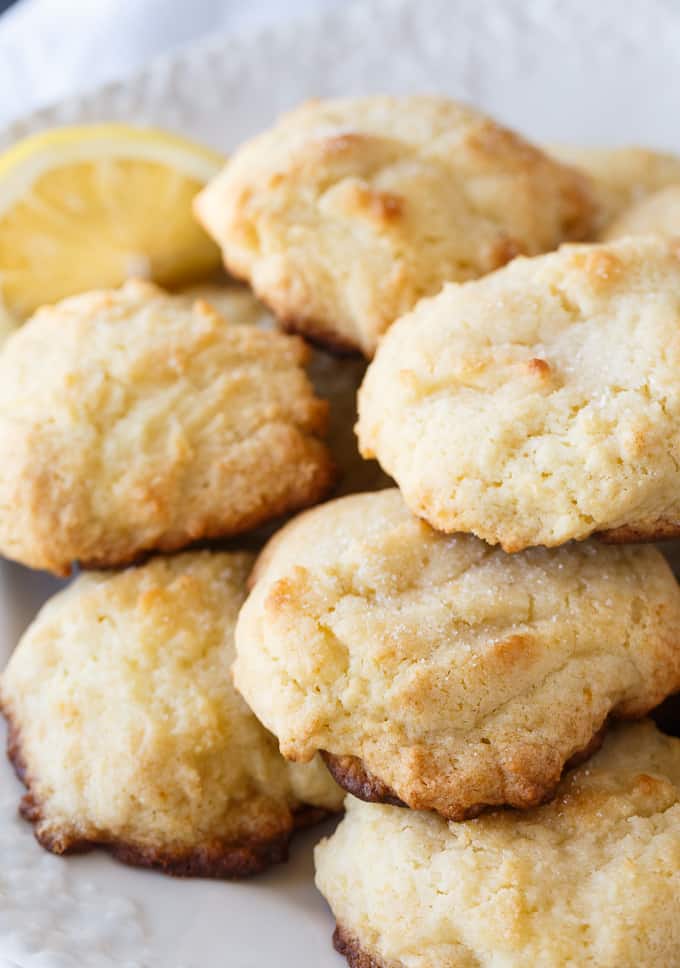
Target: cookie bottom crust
(215, 860)
(297, 323)
(229, 861)
(317, 336)
(662, 529)
(323, 481)
(350, 773)
(348, 946)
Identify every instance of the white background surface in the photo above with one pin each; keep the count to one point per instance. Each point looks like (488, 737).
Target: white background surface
(50, 49)
(595, 71)
(582, 71)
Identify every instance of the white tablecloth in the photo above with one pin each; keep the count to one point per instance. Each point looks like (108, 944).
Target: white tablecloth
(52, 48)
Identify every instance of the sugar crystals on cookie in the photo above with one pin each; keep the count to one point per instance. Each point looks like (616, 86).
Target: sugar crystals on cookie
(541, 403)
(592, 878)
(443, 674)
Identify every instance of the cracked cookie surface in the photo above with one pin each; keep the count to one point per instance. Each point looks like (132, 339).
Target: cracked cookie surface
(130, 423)
(334, 378)
(440, 671)
(348, 211)
(540, 404)
(592, 878)
(128, 732)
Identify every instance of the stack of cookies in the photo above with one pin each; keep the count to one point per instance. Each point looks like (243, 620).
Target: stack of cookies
(461, 651)
(132, 423)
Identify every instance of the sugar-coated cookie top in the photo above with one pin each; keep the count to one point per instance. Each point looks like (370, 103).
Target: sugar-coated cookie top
(461, 676)
(541, 403)
(592, 878)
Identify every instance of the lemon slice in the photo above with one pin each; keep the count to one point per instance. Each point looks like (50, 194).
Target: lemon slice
(87, 207)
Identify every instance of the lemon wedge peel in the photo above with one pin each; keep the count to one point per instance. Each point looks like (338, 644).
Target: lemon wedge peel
(86, 207)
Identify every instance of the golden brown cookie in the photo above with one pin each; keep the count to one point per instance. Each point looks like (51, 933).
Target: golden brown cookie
(442, 673)
(657, 214)
(592, 878)
(346, 212)
(232, 300)
(131, 423)
(540, 404)
(335, 378)
(621, 176)
(128, 733)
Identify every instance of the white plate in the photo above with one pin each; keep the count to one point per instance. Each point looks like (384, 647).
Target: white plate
(582, 71)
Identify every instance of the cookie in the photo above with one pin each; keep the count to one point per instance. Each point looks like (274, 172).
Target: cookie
(622, 176)
(7, 324)
(540, 404)
(348, 211)
(130, 423)
(129, 735)
(439, 672)
(657, 214)
(335, 378)
(236, 302)
(592, 878)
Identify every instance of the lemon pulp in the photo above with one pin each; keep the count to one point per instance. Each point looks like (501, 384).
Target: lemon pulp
(85, 208)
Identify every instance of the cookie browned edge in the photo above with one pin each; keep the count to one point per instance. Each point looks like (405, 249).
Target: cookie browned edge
(661, 530)
(324, 482)
(348, 946)
(297, 323)
(317, 335)
(350, 773)
(219, 860)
